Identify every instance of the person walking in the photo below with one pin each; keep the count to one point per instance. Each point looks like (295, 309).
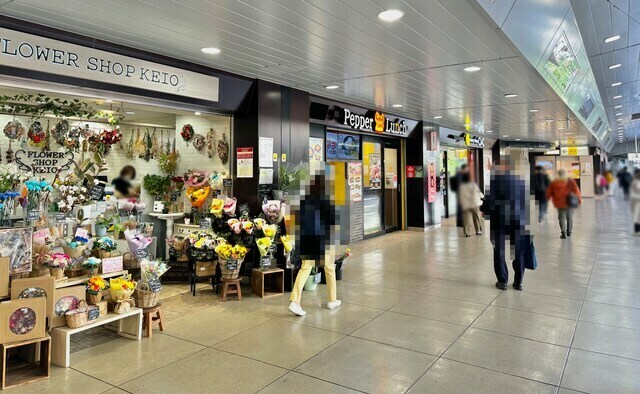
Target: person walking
(470, 198)
(506, 207)
(565, 194)
(625, 179)
(635, 202)
(608, 175)
(540, 185)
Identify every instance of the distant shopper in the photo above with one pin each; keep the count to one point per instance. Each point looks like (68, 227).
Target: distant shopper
(122, 184)
(470, 198)
(635, 202)
(454, 186)
(610, 185)
(624, 179)
(565, 194)
(540, 185)
(506, 206)
(601, 184)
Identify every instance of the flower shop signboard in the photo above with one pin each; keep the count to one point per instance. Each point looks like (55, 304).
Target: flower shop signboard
(43, 161)
(31, 52)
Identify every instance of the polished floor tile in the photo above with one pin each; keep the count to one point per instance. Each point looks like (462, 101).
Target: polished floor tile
(63, 380)
(612, 315)
(616, 341)
(295, 383)
(611, 295)
(368, 366)
(481, 294)
(442, 309)
(345, 319)
(600, 373)
(537, 303)
(448, 376)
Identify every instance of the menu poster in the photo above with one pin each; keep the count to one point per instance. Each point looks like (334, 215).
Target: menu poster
(375, 171)
(316, 153)
(332, 146)
(354, 180)
(244, 162)
(265, 152)
(348, 147)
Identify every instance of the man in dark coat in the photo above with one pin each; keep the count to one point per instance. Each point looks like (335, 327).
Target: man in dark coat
(540, 183)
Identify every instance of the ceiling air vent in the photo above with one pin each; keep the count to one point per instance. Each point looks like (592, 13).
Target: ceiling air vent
(635, 116)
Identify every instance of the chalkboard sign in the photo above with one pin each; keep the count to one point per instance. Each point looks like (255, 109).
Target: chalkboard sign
(244, 209)
(232, 265)
(94, 312)
(141, 254)
(33, 214)
(61, 218)
(96, 192)
(154, 285)
(205, 223)
(265, 189)
(227, 182)
(265, 262)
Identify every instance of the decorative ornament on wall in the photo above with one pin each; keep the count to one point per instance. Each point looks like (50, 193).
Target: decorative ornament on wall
(211, 141)
(223, 149)
(60, 131)
(36, 134)
(187, 132)
(199, 142)
(14, 130)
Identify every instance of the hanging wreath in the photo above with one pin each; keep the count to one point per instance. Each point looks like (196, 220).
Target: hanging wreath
(14, 130)
(72, 139)
(187, 132)
(60, 131)
(36, 134)
(199, 142)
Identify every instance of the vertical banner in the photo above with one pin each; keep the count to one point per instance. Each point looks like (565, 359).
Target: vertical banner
(431, 179)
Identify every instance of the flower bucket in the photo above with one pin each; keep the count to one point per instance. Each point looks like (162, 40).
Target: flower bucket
(103, 254)
(101, 231)
(74, 253)
(311, 284)
(92, 272)
(57, 273)
(144, 297)
(93, 299)
(230, 268)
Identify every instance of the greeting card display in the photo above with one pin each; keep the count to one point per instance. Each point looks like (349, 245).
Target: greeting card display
(43, 286)
(22, 319)
(65, 299)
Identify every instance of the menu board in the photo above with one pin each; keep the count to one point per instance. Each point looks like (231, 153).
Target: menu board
(332, 146)
(354, 180)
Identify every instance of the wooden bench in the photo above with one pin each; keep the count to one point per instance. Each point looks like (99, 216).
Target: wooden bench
(128, 325)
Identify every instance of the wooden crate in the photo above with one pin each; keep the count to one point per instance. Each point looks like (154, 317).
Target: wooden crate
(268, 282)
(17, 372)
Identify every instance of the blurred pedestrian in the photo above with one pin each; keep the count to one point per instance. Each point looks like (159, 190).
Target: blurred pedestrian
(506, 206)
(635, 202)
(454, 186)
(470, 198)
(565, 194)
(123, 185)
(540, 185)
(610, 185)
(624, 179)
(601, 184)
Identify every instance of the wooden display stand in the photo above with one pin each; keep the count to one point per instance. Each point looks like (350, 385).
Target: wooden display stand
(226, 283)
(268, 282)
(149, 319)
(23, 372)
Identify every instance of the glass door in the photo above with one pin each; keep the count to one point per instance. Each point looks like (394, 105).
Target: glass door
(391, 188)
(373, 192)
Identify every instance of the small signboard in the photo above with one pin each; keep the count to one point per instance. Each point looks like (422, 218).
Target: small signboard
(232, 265)
(61, 218)
(205, 223)
(141, 254)
(265, 262)
(154, 285)
(227, 182)
(96, 192)
(94, 313)
(112, 264)
(244, 209)
(33, 214)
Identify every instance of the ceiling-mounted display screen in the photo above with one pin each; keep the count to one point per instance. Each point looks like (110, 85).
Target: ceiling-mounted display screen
(587, 106)
(596, 126)
(562, 64)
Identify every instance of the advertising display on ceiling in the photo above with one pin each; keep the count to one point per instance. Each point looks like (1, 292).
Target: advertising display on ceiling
(562, 64)
(587, 106)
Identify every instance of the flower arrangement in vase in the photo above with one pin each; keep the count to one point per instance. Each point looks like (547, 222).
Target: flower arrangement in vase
(231, 258)
(104, 246)
(102, 224)
(94, 286)
(92, 266)
(57, 264)
(74, 247)
(10, 178)
(37, 190)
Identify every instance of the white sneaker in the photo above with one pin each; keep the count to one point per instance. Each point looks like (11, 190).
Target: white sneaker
(296, 309)
(334, 304)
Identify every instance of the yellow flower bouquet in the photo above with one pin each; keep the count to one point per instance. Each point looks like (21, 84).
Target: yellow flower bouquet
(121, 288)
(286, 243)
(264, 244)
(231, 258)
(197, 196)
(270, 230)
(216, 207)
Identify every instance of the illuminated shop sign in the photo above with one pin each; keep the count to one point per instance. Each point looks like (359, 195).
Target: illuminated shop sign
(379, 123)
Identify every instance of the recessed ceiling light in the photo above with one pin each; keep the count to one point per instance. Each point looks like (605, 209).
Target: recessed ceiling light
(612, 38)
(210, 50)
(130, 113)
(619, 119)
(197, 113)
(108, 101)
(510, 95)
(614, 66)
(618, 106)
(506, 135)
(534, 110)
(437, 117)
(560, 128)
(397, 105)
(390, 15)
(518, 139)
(619, 114)
(472, 69)
(617, 97)
(331, 87)
(613, 85)
(489, 131)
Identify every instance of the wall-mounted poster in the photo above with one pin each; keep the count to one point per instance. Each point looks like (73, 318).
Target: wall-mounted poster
(332, 146)
(375, 171)
(348, 147)
(354, 180)
(316, 153)
(432, 186)
(244, 162)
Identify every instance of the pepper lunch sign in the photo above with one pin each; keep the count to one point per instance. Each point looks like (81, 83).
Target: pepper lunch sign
(379, 123)
(31, 52)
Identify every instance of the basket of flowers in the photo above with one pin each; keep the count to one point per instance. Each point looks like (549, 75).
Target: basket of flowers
(78, 317)
(102, 247)
(92, 266)
(231, 258)
(94, 286)
(121, 290)
(57, 264)
(148, 290)
(74, 247)
(201, 245)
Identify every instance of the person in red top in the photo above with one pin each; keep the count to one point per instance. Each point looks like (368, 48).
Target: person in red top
(561, 192)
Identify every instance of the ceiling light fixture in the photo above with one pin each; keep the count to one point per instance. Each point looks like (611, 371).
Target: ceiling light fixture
(506, 135)
(617, 97)
(437, 117)
(619, 114)
(612, 38)
(510, 95)
(489, 131)
(518, 139)
(472, 69)
(534, 110)
(390, 15)
(619, 119)
(108, 101)
(331, 87)
(614, 66)
(397, 105)
(617, 107)
(211, 50)
(197, 113)
(613, 85)
(130, 113)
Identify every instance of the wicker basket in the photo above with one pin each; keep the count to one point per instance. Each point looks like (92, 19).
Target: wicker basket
(79, 317)
(144, 297)
(227, 268)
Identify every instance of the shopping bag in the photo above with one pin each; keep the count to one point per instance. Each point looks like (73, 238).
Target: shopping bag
(530, 259)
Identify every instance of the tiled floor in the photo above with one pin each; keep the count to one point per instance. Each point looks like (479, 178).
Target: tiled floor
(420, 314)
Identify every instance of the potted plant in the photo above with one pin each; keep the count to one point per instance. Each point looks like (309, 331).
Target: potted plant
(118, 228)
(157, 186)
(74, 247)
(94, 286)
(104, 246)
(57, 264)
(286, 177)
(102, 225)
(92, 265)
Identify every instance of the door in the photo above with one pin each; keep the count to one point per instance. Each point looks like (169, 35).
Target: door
(391, 188)
(373, 187)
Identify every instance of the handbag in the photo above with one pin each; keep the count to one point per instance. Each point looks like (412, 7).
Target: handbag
(530, 259)
(573, 201)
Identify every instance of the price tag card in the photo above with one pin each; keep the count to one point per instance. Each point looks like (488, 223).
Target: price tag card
(82, 232)
(244, 209)
(94, 313)
(61, 218)
(265, 261)
(227, 182)
(33, 214)
(154, 285)
(112, 264)
(141, 254)
(96, 192)
(232, 264)
(205, 223)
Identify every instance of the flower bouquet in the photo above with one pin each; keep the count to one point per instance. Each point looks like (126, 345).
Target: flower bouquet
(41, 247)
(74, 247)
(10, 178)
(230, 206)
(274, 210)
(121, 290)
(57, 264)
(235, 225)
(202, 245)
(216, 207)
(264, 245)
(231, 258)
(102, 247)
(136, 241)
(197, 196)
(37, 190)
(94, 286)
(149, 288)
(92, 266)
